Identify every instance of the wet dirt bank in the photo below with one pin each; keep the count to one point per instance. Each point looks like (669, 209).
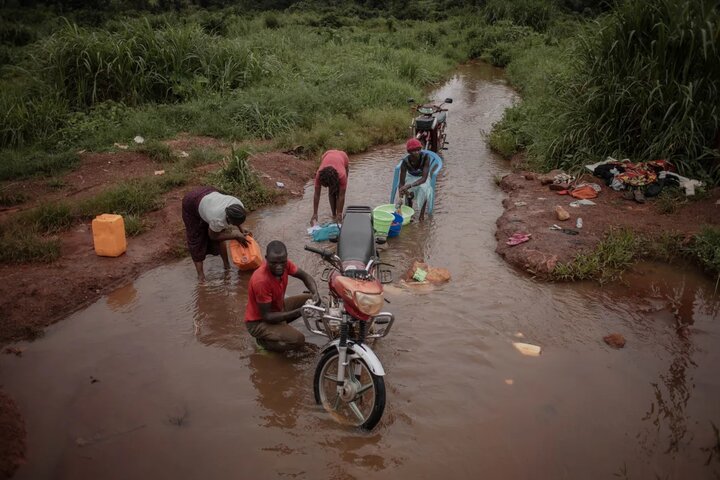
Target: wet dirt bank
(159, 378)
(530, 208)
(34, 296)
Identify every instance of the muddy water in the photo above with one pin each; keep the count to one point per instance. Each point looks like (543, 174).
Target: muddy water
(161, 380)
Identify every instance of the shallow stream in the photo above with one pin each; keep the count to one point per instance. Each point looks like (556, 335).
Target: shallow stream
(160, 379)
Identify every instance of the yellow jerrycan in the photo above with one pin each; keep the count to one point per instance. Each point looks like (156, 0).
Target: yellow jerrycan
(109, 235)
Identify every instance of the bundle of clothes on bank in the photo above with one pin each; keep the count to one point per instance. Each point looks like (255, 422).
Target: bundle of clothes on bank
(642, 179)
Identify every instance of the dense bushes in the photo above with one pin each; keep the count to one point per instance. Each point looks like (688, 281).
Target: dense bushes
(643, 84)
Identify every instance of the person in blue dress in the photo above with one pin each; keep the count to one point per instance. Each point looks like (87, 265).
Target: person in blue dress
(414, 177)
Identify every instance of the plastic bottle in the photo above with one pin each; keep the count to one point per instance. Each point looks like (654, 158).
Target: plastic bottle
(578, 224)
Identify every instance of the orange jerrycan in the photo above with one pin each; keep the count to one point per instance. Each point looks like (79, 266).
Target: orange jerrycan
(109, 235)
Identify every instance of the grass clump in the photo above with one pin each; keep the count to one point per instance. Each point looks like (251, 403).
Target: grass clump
(613, 255)
(16, 164)
(22, 247)
(157, 151)
(203, 156)
(128, 198)
(11, 199)
(135, 225)
(48, 218)
(237, 178)
(705, 249)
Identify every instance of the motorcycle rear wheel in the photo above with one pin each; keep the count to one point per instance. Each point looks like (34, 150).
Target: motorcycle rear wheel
(363, 400)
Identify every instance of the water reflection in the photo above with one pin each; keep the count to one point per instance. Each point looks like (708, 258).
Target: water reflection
(123, 299)
(668, 417)
(279, 381)
(218, 309)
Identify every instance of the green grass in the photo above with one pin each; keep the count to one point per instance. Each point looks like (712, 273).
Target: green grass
(611, 257)
(641, 83)
(705, 250)
(157, 151)
(223, 76)
(128, 198)
(135, 225)
(19, 164)
(622, 247)
(23, 247)
(12, 199)
(203, 156)
(237, 178)
(48, 218)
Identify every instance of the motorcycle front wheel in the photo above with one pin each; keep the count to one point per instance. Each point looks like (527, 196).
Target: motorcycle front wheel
(362, 401)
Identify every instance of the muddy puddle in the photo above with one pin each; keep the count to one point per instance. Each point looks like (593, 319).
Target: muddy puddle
(161, 380)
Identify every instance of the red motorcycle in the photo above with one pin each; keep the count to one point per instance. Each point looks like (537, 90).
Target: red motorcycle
(348, 379)
(429, 125)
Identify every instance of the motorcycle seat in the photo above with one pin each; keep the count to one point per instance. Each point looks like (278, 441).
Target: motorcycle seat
(357, 238)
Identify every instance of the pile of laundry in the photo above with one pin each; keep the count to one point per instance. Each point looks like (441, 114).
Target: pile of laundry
(641, 179)
(563, 184)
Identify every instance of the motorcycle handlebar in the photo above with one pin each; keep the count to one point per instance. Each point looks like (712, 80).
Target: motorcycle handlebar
(321, 252)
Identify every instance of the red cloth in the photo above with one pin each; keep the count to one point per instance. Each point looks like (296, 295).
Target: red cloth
(413, 144)
(264, 287)
(340, 162)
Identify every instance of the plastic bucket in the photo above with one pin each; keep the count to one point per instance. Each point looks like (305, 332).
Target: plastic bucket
(382, 221)
(407, 212)
(396, 225)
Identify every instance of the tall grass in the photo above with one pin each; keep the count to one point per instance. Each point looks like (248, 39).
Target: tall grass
(163, 74)
(138, 63)
(646, 87)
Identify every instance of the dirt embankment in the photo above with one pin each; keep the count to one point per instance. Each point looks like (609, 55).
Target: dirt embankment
(33, 296)
(530, 208)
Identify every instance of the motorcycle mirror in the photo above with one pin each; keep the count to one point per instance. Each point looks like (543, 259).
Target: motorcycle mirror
(448, 100)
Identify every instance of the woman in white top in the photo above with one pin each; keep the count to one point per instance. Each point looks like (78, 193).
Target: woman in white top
(210, 219)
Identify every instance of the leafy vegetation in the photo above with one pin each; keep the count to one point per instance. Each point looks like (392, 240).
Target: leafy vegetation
(705, 249)
(613, 255)
(641, 83)
(622, 247)
(237, 178)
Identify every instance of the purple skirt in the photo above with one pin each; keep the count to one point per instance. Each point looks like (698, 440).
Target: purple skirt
(196, 229)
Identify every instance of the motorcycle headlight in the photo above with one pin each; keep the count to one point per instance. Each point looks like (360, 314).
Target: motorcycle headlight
(369, 303)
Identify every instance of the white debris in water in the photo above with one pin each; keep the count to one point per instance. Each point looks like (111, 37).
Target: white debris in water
(527, 349)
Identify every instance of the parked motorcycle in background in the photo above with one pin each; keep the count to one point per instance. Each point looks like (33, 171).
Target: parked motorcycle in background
(348, 379)
(429, 126)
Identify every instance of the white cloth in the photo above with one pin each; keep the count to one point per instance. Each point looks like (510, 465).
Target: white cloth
(423, 192)
(212, 209)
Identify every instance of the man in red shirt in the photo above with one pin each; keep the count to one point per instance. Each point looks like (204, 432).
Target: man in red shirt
(268, 312)
(333, 174)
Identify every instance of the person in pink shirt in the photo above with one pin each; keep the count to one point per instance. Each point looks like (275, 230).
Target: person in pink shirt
(332, 174)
